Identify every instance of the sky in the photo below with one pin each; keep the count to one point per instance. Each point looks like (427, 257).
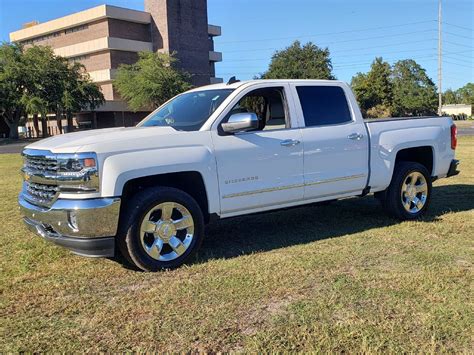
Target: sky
(354, 31)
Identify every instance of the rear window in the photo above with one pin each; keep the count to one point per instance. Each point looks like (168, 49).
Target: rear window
(323, 105)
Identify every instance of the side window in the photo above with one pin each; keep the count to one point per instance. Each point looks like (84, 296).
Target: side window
(268, 104)
(323, 105)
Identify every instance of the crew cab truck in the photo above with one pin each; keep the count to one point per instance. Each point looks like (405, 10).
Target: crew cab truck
(221, 151)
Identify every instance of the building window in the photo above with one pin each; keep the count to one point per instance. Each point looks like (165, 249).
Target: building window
(75, 29)
(42, 38)
(79, 58)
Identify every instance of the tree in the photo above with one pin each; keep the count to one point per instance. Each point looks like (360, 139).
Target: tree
(414, 93)
(78, 93)
(12, 83)
(37, 82)
(151, 81)
(466, 94)
(300, 62)
(374, 90)
(451, 97)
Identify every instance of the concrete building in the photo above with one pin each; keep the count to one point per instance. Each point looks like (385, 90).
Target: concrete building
(106, 36)
(457, 109)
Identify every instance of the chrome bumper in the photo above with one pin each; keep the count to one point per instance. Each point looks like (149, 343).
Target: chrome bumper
(87, 227)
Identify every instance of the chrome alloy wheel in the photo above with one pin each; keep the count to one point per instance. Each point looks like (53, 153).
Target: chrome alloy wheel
(414, 192)
(167, 231)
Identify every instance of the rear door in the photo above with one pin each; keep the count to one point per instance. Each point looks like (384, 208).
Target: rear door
(335, 142)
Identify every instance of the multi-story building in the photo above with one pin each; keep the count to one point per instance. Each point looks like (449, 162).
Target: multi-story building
(106, 36)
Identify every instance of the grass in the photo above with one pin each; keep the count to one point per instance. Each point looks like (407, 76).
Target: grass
(339, 278)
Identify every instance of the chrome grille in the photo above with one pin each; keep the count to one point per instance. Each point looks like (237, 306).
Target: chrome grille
(41, 163)
(40, 168)
(41, 193)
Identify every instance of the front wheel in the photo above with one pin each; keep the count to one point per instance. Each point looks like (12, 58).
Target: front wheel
(161, 228)
(409, 193)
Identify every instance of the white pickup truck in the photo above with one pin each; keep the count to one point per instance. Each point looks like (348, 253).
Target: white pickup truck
(221, 151)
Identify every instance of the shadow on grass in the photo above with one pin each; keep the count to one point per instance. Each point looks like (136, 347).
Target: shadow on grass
(263, 232)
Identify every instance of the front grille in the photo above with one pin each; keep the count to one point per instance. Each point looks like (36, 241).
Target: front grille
(40, 168)
(41, 163)
(41, 193)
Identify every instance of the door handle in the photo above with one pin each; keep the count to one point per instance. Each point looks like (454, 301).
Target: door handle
(355, 136)
(289, 142)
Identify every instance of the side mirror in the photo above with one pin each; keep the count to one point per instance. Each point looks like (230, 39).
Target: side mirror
(241, 122)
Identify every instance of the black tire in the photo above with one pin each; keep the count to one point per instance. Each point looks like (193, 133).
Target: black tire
(391, 198)
(128, 237)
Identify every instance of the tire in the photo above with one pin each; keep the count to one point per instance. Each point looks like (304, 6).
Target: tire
(150, 240)
(402, 201)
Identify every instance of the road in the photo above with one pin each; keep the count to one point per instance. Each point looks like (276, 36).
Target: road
(464, 129)
(13, 148)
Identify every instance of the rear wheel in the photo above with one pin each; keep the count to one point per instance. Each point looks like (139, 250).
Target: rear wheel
(161, 228)
(409, 193)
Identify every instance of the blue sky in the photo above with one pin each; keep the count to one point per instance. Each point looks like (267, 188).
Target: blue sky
(354, 31)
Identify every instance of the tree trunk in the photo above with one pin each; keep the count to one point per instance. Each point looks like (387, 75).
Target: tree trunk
(36, 124)
(59, 121)
(13, 130)
(12, 120)
(44, 126)
(70, 126)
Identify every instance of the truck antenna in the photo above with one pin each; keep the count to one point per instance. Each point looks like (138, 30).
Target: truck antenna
(232, 80)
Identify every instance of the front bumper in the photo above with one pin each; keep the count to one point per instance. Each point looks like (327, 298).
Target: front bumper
(453, 168)
(86, 227)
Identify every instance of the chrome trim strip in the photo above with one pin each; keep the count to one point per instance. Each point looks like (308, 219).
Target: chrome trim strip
(279, 188)
(292, 201)
(350, 177)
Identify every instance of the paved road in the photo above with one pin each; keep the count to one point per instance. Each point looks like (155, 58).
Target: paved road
(13, 148)
(16, 148)
(466, 131)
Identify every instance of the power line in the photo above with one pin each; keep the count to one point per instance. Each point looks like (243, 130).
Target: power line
(461, 65)
(455, 34)
(454, 58)
(458, 44)
(461, 27)
(335, 42)
(329, 33)
(339, 56)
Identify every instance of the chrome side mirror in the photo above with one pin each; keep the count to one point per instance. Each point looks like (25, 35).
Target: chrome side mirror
(241, 122)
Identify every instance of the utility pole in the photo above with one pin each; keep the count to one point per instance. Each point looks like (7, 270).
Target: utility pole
(440, 63)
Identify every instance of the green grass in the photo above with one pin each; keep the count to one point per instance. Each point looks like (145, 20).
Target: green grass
(337, 278)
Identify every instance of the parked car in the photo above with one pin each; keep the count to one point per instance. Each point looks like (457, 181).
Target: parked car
(222, 151)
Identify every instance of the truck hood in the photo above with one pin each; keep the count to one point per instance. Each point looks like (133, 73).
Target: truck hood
(99, 140)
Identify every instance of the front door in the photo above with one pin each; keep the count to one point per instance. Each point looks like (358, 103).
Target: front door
(260, 169)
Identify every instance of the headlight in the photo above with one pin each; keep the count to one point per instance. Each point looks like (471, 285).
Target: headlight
(78, 172)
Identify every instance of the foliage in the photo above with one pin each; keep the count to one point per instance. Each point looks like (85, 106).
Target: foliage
(414, 93)
(300, 62)
(151, 81)
(12, 83)
(374, 88)
(379, 111)
(35, 81)
(402, 90)
(464, 95)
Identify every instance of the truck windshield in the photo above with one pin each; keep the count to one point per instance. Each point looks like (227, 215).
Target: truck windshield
(187, 112)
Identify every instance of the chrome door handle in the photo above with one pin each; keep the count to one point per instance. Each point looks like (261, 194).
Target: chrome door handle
(355, 136)
(289, 142)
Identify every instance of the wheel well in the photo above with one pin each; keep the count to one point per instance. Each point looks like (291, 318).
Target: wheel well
(422, 155)
(190, 182)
